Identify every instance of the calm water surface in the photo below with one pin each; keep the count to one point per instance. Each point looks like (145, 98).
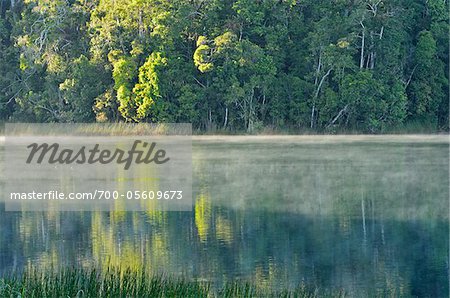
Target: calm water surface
(363, 214)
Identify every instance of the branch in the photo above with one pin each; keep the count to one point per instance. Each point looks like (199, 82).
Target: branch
(13, 97)
(321, 83)
(45, 108)
(362, 24)
(410, 77)
(374, 7)
(381, 33)
(341, 112)
(198, 82)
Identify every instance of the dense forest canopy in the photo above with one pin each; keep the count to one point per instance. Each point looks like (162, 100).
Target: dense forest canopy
(238, 65)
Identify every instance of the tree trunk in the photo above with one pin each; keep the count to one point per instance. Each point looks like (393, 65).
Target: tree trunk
(316, 95)
(319, 67)
(363, 44)
(368, 60)
(251, 111)
(341, 112)
(372, 60)
(316, 81)
(209, 120)
(225, 122)
(263, 107)
(313, 110)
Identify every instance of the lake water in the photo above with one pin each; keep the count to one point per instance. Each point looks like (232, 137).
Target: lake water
(365, 214)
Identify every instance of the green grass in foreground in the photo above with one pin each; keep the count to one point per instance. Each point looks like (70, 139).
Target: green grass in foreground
(90, 283)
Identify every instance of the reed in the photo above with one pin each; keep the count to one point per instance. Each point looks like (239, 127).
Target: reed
(131, 283)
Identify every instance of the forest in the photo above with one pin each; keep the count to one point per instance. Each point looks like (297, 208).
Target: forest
(321, 66)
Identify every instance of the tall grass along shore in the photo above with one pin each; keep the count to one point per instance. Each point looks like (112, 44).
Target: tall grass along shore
(128, 283)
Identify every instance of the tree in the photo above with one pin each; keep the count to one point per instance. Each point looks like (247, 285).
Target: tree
(426, 88)
(9, 65)
(148, 90)
(234, 65)
(51, 36)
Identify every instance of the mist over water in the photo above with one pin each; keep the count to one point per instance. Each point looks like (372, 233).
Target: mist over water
(369, 215)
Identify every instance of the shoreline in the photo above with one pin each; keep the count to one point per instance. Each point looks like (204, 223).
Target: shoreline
(438, 138)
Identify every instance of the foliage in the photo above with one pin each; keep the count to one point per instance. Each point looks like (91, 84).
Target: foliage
(121, 282)
(237, 65)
